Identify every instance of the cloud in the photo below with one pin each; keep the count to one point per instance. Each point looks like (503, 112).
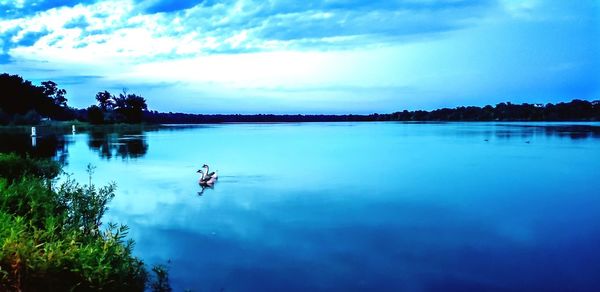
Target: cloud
(77, 22)
(162, 6)
(77, 79)
(305, 49)
(167, 29)
(30, 38)
(326, 24)
(21, 8)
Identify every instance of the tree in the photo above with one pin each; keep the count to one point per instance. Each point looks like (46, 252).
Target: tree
(135, 106)
(120, 101)
(95, 115)
(105, 100)
(130, 106)
(57, 94)
(18, 96)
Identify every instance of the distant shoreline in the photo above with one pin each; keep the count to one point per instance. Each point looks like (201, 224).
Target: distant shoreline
(575, 110)
(47, 103)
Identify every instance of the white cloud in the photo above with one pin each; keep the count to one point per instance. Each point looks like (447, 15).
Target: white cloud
(521, 8)
(297, 50)
(121, 29)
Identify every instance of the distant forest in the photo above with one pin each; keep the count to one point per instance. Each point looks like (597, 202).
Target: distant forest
(23, 103)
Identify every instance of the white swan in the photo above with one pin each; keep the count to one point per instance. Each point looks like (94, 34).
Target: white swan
(205, 180)
(210, 174)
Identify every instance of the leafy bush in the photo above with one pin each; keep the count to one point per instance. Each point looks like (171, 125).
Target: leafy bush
(29, 198)
(34, 259)
(50, 238)
(13, 167)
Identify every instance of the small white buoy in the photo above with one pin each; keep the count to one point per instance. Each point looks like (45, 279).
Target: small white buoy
(73, 129)
(33, 133)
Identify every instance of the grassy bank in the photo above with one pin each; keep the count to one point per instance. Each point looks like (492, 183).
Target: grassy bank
(52, 237)
(65, 127)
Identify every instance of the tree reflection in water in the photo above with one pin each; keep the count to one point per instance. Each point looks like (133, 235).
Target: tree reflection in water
(126, 144)
(54, 146)
(131, 143)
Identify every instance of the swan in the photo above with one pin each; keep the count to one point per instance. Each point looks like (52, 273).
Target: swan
(205, 180)
(210, 174)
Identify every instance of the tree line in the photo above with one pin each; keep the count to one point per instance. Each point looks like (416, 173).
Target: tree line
(575, 110)
(22, 102)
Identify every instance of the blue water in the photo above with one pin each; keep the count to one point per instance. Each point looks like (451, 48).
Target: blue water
(359, 206)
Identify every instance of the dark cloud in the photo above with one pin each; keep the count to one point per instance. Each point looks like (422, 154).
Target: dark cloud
(55, 40)
(78, 22)
(265, 9)
(143, 86)
(76, 79)
(317, 23)
(312, 24)
(30, 38)
(375, 24)
(166, 6)
(404, 4)
(6, 44)
(11, 10)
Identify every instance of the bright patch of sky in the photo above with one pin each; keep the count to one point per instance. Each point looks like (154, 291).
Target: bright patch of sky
(327, 56)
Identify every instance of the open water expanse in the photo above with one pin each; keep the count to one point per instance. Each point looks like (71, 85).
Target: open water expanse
(353, 206)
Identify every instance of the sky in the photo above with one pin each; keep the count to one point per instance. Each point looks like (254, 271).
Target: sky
(311, 56)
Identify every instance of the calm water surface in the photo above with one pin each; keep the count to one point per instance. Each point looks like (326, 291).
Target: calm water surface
(358, 206)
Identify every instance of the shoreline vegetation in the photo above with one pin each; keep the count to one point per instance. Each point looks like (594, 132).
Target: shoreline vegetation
(52, 235)
(65, 127)
(23, 103)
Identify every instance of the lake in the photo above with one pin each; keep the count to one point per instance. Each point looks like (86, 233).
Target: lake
(353, 206)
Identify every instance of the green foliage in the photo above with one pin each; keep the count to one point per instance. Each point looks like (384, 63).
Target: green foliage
(29, 198)
(13, 167)
(85, 205)
(44, 259)
(50, 238)
(161, 282)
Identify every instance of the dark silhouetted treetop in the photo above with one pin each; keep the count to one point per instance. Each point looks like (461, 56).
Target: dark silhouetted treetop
(23, 102)
(58, 95)
(105, 100)
(126, 107)
(130, 106)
